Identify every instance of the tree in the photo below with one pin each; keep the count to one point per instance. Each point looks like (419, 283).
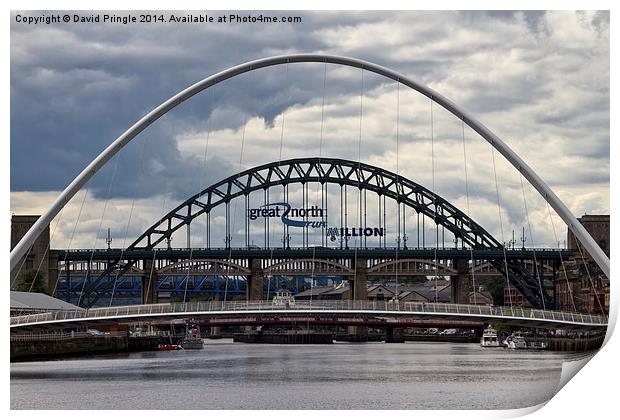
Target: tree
(31, 280)
(495, 286)
(412, 279)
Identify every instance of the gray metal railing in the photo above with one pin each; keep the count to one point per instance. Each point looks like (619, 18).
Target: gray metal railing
(63, 336)
(346, 305)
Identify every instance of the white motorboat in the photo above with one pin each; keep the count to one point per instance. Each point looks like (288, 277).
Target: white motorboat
(515, 342)
(537, 345)
(489, 338)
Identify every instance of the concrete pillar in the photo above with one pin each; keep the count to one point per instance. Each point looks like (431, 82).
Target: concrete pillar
(461, 282)
(255, 280)
(215, 332)
(358, 283)
(149, 282)
(358, 289)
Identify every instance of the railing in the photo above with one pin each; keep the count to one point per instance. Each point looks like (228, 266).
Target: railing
(307, 306)
(62, 336)
(291, 248)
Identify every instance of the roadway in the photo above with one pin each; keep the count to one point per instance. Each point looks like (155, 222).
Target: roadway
(540, 254)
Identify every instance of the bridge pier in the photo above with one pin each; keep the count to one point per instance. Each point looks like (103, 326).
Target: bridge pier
(358, 283)
(255, 280)
(149, 282)
(358, 286)
(216, 331)
(461, 283)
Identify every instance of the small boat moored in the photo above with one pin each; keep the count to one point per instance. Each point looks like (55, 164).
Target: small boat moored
(167, 347)
(489, 338)
(192, 340)
(515, 342)
(536, 345)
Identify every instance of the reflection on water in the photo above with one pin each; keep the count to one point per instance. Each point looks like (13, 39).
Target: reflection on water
(264, 376)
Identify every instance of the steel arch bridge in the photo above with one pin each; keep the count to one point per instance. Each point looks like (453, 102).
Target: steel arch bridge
(20, 250)
(520, 276)
(321, 170)
(341, 172)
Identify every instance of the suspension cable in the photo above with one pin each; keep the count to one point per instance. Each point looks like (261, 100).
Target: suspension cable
(570, 290)
(359, 175)
(21, 266)
(585, 264)
(397, 180)
(57, 276)
(529, 227)
(471, 249)
(434, 200)
(49, 245)
(501, 226)
(286, 81)
(105, 206)
(234, 216)
(319, 168)
(133, 202)
(203, 180)
(73, 234)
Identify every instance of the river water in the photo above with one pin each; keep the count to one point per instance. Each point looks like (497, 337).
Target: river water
(226, 375)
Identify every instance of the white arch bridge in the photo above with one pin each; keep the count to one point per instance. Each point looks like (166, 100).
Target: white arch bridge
(352, 312)
(590, 245)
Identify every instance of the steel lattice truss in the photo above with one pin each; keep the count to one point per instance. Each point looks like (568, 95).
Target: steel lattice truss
(332, 171)
(322, 170)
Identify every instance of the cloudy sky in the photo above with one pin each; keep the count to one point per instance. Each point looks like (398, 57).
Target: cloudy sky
(539, 80)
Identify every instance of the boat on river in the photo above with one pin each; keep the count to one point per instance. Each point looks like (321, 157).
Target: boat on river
(192, 340)
(168, 347)
(515, 342)
(490, 339)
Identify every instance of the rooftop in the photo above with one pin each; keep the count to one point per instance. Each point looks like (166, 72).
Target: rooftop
(25, 301)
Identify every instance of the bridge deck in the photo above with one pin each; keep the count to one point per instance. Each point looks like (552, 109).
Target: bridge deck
(215, 308)
(318, 253)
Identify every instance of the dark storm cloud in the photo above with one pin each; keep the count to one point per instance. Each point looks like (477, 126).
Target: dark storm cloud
(75, 88)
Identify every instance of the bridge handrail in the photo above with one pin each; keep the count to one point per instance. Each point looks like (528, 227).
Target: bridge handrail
(241, 248)
(257, 306)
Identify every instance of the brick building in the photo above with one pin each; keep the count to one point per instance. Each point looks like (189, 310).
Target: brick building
(512, 297)
(580, 283)
(598, 227)
(39, 257)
